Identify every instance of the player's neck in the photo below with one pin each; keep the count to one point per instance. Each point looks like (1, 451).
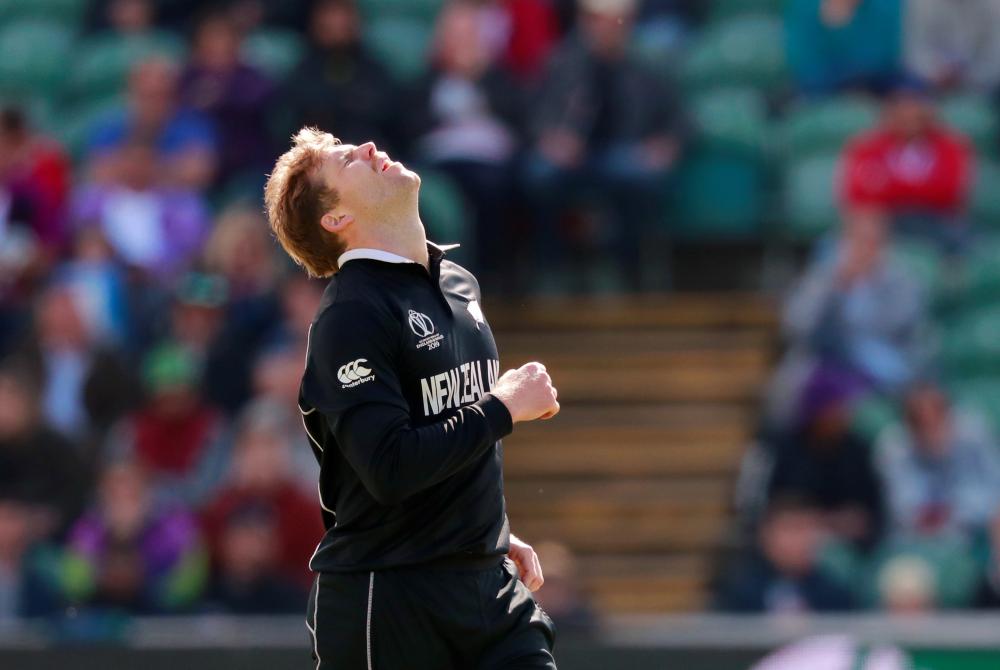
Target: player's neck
(403, 235)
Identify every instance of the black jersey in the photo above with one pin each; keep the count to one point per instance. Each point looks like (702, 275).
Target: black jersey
(394, 399)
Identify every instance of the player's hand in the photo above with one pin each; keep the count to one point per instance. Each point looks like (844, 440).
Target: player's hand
(526, 560)
(528, 393)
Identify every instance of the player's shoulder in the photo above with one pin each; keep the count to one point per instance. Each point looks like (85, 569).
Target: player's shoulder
(351, 305)
(450, 270)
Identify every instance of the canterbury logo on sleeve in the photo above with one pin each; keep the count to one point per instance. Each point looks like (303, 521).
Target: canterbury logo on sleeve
(355, 373)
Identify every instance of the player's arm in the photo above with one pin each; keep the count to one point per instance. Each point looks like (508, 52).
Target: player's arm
(369, 416)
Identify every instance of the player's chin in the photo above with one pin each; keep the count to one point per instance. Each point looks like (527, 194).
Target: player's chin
(410, 175)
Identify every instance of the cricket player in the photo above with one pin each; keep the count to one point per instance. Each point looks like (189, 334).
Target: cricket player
(405, 407)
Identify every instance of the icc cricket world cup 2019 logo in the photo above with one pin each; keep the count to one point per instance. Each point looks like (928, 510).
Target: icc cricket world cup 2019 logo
(423, 328)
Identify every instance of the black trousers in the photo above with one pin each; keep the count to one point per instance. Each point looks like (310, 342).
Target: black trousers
(421, 618)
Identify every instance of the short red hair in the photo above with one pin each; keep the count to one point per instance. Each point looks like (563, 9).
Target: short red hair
(295, 200)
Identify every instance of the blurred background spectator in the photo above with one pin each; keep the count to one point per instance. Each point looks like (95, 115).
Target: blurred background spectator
(126, 17)
(180, 440)
(836, 45)
(603, 126)
(261, 477)
(467, 119)
(182, 142)
(954, 44)
(85, 384)
(339, 84)
(822, 459)
(132, 554)
(234, 95)
(856, 316)
(941, 468)
(783, 574)
(149, 225)
(41, 472)
(913, 167)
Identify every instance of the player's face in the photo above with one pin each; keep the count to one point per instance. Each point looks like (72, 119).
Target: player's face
(367, 178)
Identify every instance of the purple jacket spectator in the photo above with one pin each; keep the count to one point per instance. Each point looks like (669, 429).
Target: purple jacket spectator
(135, 556)
(153, 227)
(232, 94)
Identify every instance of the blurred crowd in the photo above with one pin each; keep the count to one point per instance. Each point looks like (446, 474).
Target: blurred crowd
(151, 334)
(875, 481)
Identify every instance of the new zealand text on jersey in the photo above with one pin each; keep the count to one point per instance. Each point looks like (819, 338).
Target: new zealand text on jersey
(458, 387)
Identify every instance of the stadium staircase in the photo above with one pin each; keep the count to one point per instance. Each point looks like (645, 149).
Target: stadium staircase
(636, 473)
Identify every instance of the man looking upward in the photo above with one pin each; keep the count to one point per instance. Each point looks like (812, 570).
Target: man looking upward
(405, 407)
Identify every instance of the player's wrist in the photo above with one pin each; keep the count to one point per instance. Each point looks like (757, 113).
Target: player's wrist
(509, 403)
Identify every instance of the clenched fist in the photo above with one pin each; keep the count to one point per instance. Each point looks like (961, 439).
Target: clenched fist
(528, 393)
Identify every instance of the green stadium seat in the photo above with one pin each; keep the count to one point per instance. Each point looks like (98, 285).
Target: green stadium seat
(746, 50)
(986, 195)
(443, 209)
(970, 345)
(824, 126)
(844, 563)
(35, 54)
(980, 281)
(723, 9)
(976, 118)
(731, 118)
(982, 395)
(104, 62)
(719, 195)
(810, 204)
(423, 10)
(274, 51)
(74, 131)
(921, 260)
(66, 12)
(871, 414)
(401, 45)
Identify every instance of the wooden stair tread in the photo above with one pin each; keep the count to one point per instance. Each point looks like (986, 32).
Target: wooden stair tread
(638, 385)
(620, 458)
(514, 343)
(676, 311)
(659, 396)
(621, 535)
(664, 416)
(665, 362)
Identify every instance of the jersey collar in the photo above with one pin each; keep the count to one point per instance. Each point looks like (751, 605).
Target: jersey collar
(388, 256)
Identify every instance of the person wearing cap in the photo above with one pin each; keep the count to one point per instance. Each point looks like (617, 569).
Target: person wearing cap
(405, 406)
(179, 439)
(604, 126)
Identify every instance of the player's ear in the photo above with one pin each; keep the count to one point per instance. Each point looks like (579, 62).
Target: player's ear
(336, 222)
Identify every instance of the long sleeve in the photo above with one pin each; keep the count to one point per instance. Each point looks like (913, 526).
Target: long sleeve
(923, 47)
(351, 377)
(810, 304)
(395, 460)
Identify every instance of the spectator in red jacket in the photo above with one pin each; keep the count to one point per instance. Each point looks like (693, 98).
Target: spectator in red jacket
(260, 477)
(911, 165)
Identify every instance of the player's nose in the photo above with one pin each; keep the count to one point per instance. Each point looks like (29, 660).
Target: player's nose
(367, 150)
